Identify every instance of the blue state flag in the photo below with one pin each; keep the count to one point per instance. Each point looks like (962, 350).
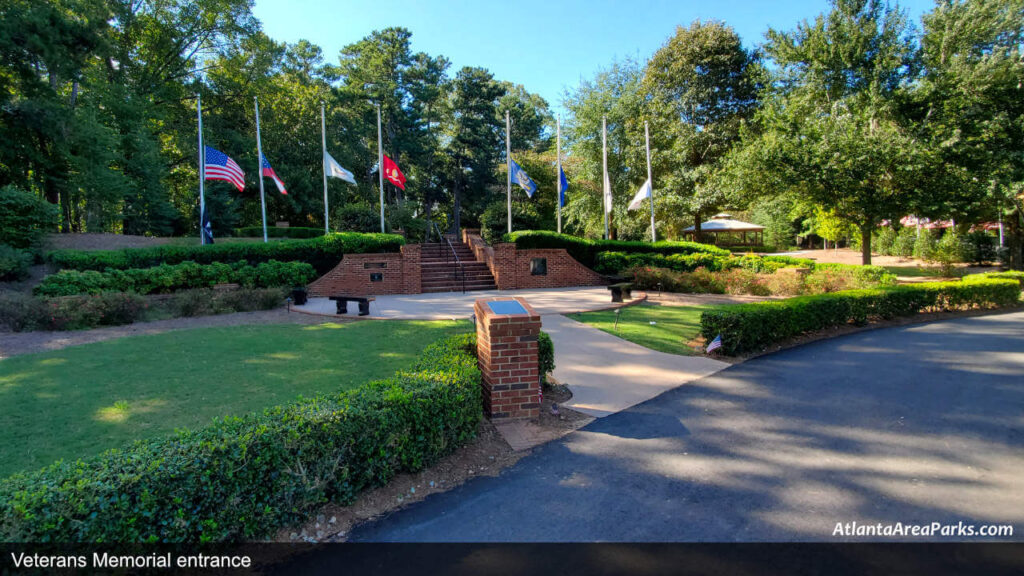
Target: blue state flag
(563, 186)
(520, 177)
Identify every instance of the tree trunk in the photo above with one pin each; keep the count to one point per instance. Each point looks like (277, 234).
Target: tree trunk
(697, 236)
(457, 209)
(865, 243)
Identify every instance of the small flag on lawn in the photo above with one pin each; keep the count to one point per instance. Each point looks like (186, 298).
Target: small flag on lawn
(715, 344)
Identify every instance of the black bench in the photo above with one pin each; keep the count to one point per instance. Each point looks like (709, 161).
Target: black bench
(364, 303)
(621, 289)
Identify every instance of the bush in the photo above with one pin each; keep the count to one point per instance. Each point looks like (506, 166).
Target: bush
(21, 312)
(14, 263)
(545, 355)
(586, 251)
(322, 253)
(357, 218)
(884, 241)
(741, 281)
(494, 219)
(207, 302)
(903, 245)
(243, 478)
(751, 327)
(924, 244)
(169, 278)
(980, 247)
(275, 232)
(948, 251)
(25, 218)
(1017, 275)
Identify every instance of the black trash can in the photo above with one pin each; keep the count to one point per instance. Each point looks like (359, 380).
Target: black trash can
(298, 296)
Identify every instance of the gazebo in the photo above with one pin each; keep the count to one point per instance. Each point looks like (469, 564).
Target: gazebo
(730, 232)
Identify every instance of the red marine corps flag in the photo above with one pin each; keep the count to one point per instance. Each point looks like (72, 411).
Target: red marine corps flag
(393, 174)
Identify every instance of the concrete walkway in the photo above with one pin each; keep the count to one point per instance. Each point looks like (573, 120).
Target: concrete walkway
(605, 374)
(915, 425)
(448, 305)
(608, 374)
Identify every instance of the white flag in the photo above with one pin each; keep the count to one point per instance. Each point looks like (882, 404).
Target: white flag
(641, 195)
(607, 194)
(334, 170)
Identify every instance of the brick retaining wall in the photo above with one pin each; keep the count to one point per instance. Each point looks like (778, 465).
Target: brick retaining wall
(399, 274)
(511, 267)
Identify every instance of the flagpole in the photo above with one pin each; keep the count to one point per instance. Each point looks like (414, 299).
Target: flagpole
(508, 165)
(323, 158)
(259, 167)
(647, 144)
(604, 152)
(202, 171)
(380, 168)
(558, 174)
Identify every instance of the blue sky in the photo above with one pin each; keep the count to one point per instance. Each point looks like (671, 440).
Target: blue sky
(547, 46)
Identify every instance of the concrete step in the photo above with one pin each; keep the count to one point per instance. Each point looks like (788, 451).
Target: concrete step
(469, 288)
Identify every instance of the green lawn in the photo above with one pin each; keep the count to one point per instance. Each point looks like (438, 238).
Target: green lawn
(83, 400)
(673, 326)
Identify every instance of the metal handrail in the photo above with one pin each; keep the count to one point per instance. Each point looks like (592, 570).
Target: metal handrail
(461, 269)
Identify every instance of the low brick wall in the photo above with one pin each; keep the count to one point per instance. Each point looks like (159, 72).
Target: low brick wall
(513, 268)
(372, 274)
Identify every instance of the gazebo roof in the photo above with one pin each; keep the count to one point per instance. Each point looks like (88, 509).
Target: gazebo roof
(726, 225)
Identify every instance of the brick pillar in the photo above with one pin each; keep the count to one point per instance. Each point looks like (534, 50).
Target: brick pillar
(504, 271)
(507, 355)
(411, 270)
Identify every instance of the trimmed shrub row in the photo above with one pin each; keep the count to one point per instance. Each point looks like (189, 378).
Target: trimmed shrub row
(322, 253)
(586, 251)
(173, 277)
(23, 312)
(751, 327)
(275, 232)
(617, 262)
(243, 478)
(1017, 275)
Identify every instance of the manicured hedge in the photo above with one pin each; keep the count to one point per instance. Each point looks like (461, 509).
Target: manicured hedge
(1017, 275)
(243, 478)
(172, 277)
(545, 355)
(751, 327)
(618, 262)
(322, 253)
(275, 232)
(586, 251)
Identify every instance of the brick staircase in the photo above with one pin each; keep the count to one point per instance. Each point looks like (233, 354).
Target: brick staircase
(440, 273)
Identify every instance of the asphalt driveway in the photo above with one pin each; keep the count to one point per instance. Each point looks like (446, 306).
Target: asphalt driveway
(915, 425)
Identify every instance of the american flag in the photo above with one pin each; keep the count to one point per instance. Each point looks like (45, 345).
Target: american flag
(220, 167)
(268, 171)
(715, 344)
